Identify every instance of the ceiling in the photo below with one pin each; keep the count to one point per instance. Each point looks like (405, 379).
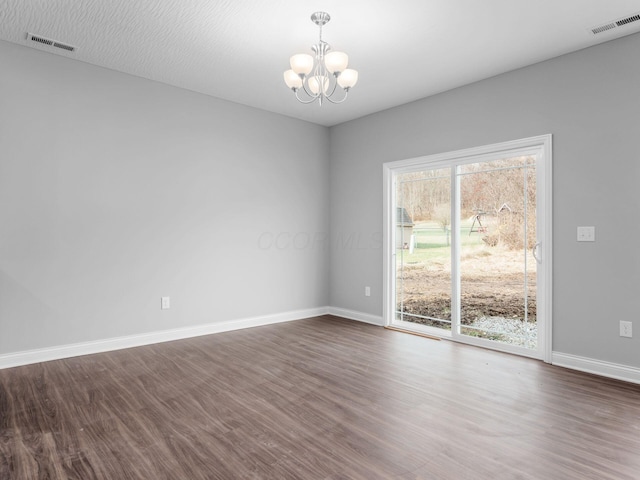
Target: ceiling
(238, 49)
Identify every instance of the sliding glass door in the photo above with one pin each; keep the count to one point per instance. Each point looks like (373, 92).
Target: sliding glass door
(468, 246)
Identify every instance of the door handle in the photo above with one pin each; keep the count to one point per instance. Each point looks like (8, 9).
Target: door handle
(534, 252)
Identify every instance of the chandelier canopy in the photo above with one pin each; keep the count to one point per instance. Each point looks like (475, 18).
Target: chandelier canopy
(317, 77)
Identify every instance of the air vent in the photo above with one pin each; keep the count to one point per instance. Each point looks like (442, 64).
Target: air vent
(615, 24)
(628, 20)
(49, 42)
(603, 28)
(68, 48)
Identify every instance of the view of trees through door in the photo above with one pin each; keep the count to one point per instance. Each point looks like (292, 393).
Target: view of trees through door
(490, 245)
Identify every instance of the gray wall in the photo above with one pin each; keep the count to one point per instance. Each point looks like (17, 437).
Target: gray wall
(589, 101)
(115, 191)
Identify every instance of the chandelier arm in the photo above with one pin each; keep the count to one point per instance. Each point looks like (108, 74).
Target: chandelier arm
(306, 102)
(335, 85)
(338, 101)
(310, 94)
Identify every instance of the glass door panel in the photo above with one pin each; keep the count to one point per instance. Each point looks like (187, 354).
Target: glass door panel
(497, 234)
(423, 248)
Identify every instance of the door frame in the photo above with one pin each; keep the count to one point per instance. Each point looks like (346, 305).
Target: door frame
(542, 145)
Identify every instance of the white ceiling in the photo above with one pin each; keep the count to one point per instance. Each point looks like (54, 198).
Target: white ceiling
(237, 49)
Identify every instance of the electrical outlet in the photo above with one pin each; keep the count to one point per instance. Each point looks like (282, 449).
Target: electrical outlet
(367, 291)
(165, 303)
(586, 234)
(626, 329)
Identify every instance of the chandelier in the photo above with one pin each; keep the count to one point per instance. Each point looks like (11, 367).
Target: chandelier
(317, 77)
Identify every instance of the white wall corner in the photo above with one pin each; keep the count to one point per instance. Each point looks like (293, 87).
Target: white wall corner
(597, 367)
(17, 359)
(354, 315)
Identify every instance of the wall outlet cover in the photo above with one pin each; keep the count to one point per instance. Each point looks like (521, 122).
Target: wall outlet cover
(626, 329)
(586, 234)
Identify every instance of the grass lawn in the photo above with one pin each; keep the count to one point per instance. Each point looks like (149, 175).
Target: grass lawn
(431, 243)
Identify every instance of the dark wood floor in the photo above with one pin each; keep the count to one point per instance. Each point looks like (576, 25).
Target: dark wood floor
(322, 398)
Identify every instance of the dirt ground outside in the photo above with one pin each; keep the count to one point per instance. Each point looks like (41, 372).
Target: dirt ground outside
(492, 288)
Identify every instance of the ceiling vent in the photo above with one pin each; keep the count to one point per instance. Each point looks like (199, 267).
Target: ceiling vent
(49, 42)
(625, 21)
(616, 23)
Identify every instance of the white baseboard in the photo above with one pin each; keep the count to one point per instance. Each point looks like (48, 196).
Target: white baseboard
(86, 348)
(354, 315)
(597, 367)
(583, 364)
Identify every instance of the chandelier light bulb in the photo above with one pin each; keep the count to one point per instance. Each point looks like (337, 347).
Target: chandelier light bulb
(316, 81)
(336, 61)
(348, 78)
(292, 79)
(302, 63)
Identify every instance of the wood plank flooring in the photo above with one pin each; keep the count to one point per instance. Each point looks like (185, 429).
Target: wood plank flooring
(322, 398)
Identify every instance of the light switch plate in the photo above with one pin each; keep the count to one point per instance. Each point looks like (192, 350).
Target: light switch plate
(586, 234)
(165, 303)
